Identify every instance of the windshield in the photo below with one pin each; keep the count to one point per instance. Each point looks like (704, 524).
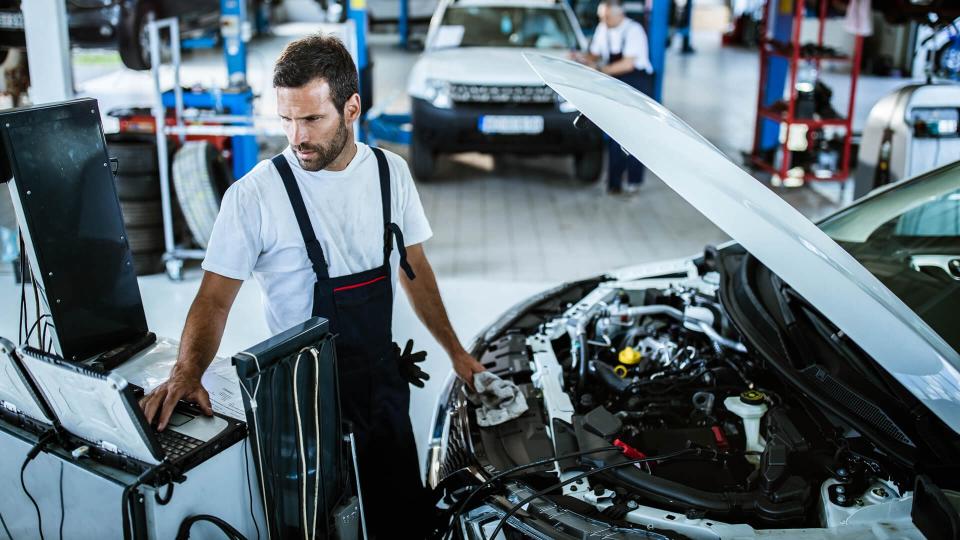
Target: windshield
(909, 238)
(499, 26)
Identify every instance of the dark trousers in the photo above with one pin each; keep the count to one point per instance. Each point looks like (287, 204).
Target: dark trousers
(617, 160)
(376, 400)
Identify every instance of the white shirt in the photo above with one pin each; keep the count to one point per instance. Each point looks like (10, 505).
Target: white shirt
(256, 231)
(628, 38)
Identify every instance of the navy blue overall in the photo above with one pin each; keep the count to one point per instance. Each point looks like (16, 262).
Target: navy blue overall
(373, 395)
(617, 160)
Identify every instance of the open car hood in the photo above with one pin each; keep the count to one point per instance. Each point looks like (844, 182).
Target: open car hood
(785, 241)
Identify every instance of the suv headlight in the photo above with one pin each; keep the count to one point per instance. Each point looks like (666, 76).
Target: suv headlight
(438, 93)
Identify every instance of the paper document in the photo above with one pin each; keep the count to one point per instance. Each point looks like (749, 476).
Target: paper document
(222, 384)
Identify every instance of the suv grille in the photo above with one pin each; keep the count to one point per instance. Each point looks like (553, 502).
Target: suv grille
(479, 93)
(458, 454)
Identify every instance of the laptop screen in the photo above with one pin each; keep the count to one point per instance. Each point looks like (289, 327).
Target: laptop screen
(16, 393)
(98, 408)
(68, 209)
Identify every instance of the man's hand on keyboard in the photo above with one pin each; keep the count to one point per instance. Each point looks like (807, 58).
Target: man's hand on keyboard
(159, 405)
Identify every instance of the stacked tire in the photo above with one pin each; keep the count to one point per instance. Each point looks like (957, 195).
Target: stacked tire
(138, 188)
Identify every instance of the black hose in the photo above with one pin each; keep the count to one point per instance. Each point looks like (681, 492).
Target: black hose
(577, 478)
(608, 377)
(462, 506)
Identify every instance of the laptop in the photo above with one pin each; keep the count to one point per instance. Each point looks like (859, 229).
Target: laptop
(102, 411)
(20, 401)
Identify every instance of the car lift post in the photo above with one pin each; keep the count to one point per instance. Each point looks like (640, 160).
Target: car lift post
(782, 26)
(658, 30)
(357, 12)
(48, 46)
(403, 23)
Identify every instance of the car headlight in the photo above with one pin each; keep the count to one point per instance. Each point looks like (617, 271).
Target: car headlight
(564, 105)
(438, 93)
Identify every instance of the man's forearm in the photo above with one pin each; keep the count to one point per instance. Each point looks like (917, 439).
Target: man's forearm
(620, 67)
(428, 305)
(201, 338)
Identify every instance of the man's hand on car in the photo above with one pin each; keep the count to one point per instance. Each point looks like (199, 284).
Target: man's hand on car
(160, 404)
(465, 366)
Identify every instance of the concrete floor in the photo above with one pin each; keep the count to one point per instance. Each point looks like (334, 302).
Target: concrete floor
(504, 227)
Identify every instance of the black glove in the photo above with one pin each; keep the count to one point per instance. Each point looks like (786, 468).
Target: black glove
(407, 362)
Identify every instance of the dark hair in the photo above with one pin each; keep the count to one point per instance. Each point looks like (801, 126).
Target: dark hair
(318, 56)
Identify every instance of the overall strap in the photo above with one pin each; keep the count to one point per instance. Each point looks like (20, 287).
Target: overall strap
(390, 229)
(314, 251)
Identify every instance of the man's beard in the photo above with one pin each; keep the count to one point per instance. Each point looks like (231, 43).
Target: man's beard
(324, 155)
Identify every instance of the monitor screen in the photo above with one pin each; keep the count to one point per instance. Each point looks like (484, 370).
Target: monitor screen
(71, 218)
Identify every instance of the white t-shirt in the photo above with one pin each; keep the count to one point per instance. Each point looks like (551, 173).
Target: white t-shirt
(628, 38)
(256, 231)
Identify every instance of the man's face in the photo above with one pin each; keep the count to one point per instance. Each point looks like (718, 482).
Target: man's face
(611, 16)
(315, 129)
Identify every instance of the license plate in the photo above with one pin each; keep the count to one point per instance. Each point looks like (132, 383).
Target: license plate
(11, 20)
(511, 125)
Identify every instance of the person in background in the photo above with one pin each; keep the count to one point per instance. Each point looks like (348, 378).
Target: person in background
(620, 49)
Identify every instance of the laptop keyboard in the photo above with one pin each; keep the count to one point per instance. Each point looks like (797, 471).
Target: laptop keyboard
(176, 445)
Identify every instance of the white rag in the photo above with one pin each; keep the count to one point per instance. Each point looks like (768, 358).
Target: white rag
(859, 19)
(497, 400)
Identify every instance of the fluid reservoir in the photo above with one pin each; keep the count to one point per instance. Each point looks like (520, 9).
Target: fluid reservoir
(750, 407)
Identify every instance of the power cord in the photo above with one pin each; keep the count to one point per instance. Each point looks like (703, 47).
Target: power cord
(577, 478)
(63, 509)
(31, 455)
(246, 467)
(5, 529)
(183, 533)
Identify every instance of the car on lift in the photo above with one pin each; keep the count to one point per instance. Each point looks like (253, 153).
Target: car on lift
(801, 381)
(471, 90)
(116, 24)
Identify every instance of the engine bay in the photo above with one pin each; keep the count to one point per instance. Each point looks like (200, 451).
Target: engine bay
(700, 433)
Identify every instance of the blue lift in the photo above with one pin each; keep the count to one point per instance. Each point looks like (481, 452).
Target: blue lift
(237, 98)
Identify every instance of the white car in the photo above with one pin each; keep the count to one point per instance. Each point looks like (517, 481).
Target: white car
(803, 382)
(471, 90)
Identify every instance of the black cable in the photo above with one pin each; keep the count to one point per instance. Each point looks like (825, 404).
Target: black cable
(5, 529)
(183, 533)
(63, 509)
(36, 303)
(23, 484)
(579, 477)
(33, 327)
(164, 500)
(246, 467)
(518, 468)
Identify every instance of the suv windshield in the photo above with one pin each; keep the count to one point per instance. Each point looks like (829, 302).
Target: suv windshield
(500, 26)
(909, 238)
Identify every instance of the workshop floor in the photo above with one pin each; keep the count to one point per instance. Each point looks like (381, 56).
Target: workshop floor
(504, 227)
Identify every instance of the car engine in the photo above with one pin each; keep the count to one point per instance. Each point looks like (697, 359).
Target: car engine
(695, 425)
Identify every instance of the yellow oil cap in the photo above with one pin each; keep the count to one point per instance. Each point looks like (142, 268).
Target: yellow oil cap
(630, 356)
(752, 397)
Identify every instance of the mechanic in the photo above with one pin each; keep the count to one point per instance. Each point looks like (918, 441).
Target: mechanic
(316, 226)
(619, 48)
